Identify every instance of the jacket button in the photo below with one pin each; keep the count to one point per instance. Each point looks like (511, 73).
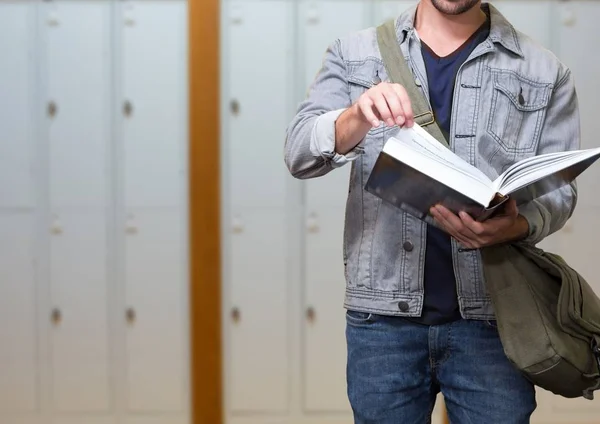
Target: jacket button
(403, 306)
(408, 246)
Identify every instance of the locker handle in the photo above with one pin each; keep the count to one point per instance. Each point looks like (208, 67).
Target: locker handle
(127, 108)
(235, 107)
(310, 314)
(130, 315)
(56, 316)
(236, 315)
(52, 109)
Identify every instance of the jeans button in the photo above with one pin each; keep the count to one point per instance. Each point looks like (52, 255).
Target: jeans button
(403, 306)
(408, 246)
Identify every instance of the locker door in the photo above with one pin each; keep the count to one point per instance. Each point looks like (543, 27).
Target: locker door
(153, 43)
(258, 82)
(324, 341)
(79, 332)
(154, 92)
(577, 25)
(18, 330)
(533, 18)
(17, 80)
(77, 77)
(156, 311)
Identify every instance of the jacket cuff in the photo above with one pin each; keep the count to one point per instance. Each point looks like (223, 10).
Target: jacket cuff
(535, 219)
(322, 140)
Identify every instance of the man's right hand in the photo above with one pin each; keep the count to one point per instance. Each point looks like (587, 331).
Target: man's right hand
(384, 102)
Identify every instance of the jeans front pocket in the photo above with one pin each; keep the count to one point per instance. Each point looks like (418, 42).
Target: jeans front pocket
(358, 318)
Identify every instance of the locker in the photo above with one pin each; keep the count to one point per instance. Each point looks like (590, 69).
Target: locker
(324, 317)
(79, 337)
(77, 99)
(153, 112)
(153, 101)
(17, 83)
(324, 344)
(577, 25)
(154, 313)
(18, 334)
(259, 81)
(534, 18)
(77, 35)
(257, 323)
(257, 99)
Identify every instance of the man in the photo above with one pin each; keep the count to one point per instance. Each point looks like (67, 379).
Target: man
(419, 320)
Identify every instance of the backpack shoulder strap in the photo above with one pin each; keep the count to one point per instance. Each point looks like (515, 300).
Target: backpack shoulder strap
(399, 73)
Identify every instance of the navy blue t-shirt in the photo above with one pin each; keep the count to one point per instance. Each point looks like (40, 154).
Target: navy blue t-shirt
(441, 302)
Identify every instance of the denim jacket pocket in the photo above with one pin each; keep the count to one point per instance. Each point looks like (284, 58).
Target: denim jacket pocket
(518, 109)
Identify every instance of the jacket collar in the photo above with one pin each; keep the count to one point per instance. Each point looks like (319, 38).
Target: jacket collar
(501, 30)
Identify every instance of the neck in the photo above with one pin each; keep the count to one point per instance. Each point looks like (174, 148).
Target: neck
(445, 31)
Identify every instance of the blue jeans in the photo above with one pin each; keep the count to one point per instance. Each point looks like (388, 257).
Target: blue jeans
(396, 368)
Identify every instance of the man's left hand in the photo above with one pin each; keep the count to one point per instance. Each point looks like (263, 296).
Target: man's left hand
(509, 226)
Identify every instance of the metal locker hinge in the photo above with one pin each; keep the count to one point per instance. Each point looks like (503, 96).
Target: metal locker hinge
(129, 19)
(52, 19)
(131, 229)
(130, 226)
(56, 227)
(312, 223)
(569, 17)
(237, 15)
(237, 225)
(312, 16)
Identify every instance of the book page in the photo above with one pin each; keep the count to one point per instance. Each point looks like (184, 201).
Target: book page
(421, 140)
(548, 165)
(521, 167)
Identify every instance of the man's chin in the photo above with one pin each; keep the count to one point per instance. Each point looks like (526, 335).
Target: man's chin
(454, 7)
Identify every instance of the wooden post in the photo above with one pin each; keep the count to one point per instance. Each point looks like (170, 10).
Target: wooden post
(204, 168)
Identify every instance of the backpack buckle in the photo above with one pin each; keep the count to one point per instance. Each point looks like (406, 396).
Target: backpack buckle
(425, 118)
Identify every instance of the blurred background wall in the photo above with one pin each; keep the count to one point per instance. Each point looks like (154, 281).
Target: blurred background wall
(93, 212)
(94, 222)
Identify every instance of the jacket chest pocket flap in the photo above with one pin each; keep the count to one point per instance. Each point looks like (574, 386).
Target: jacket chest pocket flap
(518, 109)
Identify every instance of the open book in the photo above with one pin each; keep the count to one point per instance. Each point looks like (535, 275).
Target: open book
(415, 172)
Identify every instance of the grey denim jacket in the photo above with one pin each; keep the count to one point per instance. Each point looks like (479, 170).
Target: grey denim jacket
(512, 99)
